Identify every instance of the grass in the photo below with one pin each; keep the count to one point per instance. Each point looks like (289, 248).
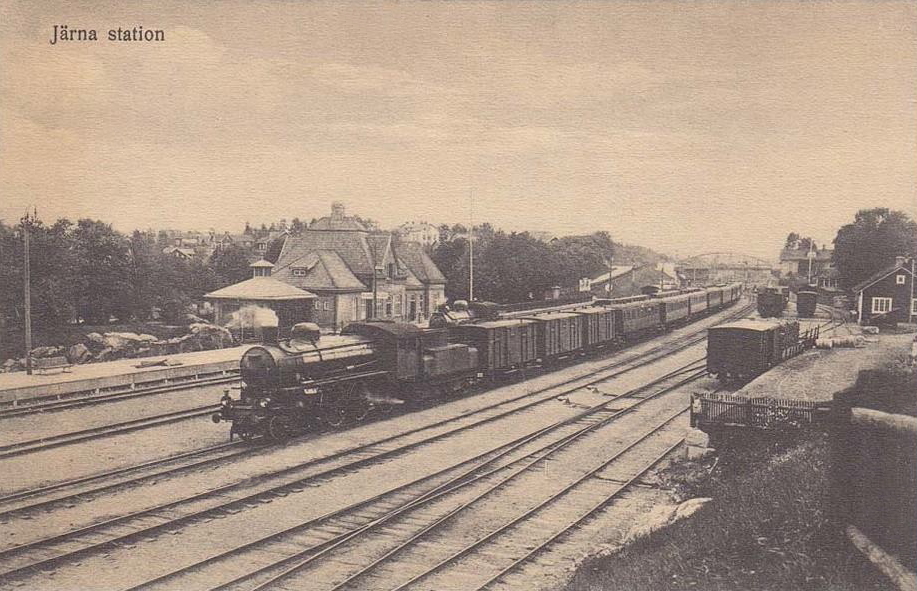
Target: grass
(769, 528)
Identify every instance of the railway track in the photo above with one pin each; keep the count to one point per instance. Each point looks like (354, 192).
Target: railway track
(837, 321)
(147, 522)
(83, 488)
(27, 408)
(438, 499)
(52, 441)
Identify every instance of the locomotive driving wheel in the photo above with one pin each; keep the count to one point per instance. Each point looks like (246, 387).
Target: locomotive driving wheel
(335, 415)
(279, 428)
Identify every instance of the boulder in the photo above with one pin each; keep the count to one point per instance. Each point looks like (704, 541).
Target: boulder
(40, 352)
(106, 354)
(79, 353)
(10, 365)
(209, 336)
(95, 341)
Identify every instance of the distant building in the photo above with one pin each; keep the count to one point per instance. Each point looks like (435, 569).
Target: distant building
(623, 281)
(419, 232)
(888, 296)
(346, 267)
(806, 263)
(178, 252)
(726, 267)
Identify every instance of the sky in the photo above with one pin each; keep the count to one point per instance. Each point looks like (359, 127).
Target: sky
(685, 127)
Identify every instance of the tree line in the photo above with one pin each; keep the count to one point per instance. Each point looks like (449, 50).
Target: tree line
(515, 266)
(89, 272)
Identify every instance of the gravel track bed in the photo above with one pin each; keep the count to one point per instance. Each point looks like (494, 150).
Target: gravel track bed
(148, 444)
(38, 425)
(200, 538)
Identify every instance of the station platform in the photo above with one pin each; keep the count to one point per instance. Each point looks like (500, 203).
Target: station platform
(123, 374)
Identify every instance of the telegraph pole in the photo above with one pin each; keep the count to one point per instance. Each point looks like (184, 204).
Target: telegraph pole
(471, 249)
(26, 223)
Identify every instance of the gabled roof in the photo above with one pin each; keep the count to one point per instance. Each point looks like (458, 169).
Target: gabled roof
(324, 271)
(330, 223)
(260, 288)
(880, 276)
(412, 256)
(379, 245)
(616, 271)
(352, 247)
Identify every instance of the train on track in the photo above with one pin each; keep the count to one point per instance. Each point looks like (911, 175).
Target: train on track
(741, 350)
(288, 386)
(772, 301)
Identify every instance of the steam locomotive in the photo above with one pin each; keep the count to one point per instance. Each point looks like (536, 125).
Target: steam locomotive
(288, 386)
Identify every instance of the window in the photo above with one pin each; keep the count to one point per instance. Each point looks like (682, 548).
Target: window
(299, 271)
(881, 305)
(899, 279)
(327, 306)
(914, 306)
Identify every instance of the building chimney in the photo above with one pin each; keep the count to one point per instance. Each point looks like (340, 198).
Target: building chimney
(337, 211)
(900, 260)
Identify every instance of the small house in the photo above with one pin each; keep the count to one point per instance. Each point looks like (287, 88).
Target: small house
(888, 296)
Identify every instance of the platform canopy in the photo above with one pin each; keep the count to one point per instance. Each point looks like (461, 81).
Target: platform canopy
(261, 289)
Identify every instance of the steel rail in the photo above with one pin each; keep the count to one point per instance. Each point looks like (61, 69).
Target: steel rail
(531, 511)
(93, 399)
(449, 486)
(349, 466)
(52, 441)
(447, 517)
(596, 507)
(219, 491)
(29, 493)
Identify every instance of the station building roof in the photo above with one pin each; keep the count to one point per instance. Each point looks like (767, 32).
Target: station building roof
(261, 289)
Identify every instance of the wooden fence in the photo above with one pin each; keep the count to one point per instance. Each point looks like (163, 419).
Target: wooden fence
(729, 410)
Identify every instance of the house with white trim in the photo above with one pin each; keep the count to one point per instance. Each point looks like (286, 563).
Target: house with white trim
(888, 296)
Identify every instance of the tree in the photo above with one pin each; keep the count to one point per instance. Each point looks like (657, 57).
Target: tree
(795, 241)
(103, 272)
(230, 265)
(871, 242)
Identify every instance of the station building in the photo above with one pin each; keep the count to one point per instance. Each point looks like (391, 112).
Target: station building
(346, 268)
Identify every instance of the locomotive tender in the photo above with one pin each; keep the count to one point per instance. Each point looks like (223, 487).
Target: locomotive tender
(288, 386)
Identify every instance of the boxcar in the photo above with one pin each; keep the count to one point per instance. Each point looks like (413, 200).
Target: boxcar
(771, 302)
(715, 298)
(675, 308)
(599, 326)
(558, 333)
(697, 303)
(502, 344)
(740, 350)
(640, 317)
(746, 348)
(805, 303)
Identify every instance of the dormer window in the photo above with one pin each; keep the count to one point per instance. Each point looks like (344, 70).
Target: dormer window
(300, 271)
